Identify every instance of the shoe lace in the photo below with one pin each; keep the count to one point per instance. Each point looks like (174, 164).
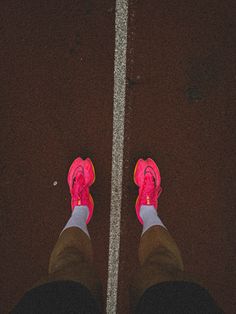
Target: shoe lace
(79, 187)
(149, 188)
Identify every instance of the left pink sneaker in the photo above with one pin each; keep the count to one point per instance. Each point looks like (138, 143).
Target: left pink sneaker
(81, 176)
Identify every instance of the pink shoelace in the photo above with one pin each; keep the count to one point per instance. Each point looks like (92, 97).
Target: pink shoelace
(80, 190)
(149, 189)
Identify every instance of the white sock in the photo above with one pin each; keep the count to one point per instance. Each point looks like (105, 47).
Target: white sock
(150, 218)
(78, 219)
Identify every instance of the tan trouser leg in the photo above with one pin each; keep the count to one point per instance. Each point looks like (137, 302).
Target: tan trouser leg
(160, 260)
(72, 259)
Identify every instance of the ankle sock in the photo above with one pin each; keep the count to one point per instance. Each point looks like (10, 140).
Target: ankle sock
(150, 218)
(78, 219)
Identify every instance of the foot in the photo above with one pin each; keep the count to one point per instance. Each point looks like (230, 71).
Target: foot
(147, 177)
(81, 176)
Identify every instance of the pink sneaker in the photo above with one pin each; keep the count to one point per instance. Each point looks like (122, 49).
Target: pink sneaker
(81, 176)
(147, 177)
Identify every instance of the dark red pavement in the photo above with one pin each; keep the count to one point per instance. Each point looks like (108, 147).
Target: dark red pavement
(181, 112)
(56, 103)
(56, 63)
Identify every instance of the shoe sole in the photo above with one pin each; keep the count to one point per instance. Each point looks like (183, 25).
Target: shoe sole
(137, 199)
(89, 160)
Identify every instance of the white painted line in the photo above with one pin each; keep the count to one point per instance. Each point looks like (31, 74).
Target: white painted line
(117, 151)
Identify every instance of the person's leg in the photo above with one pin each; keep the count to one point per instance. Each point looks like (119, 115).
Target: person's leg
(72, 256)
(72, 259)
(160, 260)
(161, 284)
(159, 256)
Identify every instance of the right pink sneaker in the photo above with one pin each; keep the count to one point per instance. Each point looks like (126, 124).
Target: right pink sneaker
(147, 177)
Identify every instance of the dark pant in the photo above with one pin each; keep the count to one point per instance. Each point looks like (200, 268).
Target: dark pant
(170, 297)
(160, 262)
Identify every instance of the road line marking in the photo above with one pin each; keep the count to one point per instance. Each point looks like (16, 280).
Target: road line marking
(121, 22)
